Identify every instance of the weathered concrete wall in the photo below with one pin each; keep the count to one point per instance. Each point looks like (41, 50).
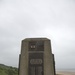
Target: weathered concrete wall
(48, 57)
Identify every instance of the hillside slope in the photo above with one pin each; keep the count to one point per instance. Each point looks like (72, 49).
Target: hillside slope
(8, 70)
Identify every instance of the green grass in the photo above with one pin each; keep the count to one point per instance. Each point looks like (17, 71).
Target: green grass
(8, 70)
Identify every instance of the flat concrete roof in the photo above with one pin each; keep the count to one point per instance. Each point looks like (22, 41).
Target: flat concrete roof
(35, 39)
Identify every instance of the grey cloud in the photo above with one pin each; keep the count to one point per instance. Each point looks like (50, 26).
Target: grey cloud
(48, 18)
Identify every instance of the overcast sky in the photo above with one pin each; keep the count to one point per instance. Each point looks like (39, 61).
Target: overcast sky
(54, 19)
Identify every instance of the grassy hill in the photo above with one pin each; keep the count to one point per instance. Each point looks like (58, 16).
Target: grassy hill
(8, 70)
